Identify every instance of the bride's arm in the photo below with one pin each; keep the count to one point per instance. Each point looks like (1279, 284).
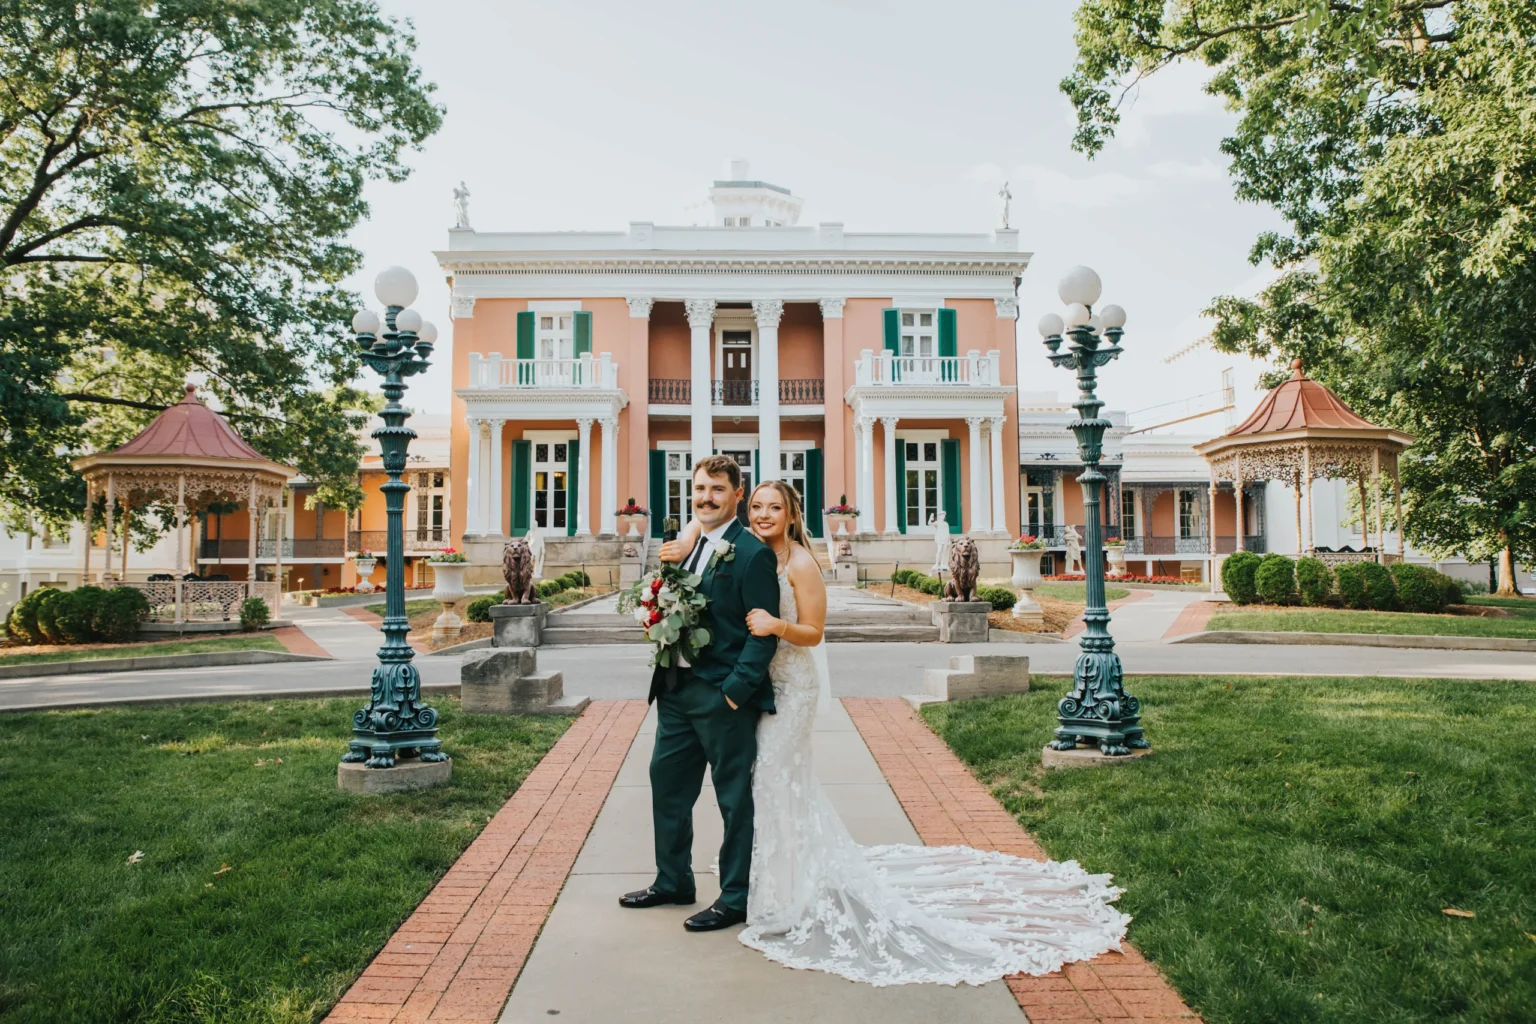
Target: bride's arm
(810, 602)
(677, 550)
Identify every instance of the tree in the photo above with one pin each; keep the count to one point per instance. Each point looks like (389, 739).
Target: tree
(176, 181)
(1397, 138)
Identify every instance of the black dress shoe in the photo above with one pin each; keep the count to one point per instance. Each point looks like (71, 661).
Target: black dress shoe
(652, 898)
(716, 917)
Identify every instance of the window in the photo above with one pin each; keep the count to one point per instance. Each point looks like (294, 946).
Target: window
(555, 337)
(431, 507)
(922, 482)
(549, 490)
(792, 472)
(1040, 503)
(1189, 515)
(679, 487)
(1127, 515)
(918, 334)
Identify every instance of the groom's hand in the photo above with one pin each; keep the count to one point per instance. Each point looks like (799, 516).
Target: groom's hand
(730, 702)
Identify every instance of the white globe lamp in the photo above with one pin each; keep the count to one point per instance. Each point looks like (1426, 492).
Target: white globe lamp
(365, 321)
(1051, 325)
(408, 320)
(1080, 285)
(427, 332)
(395, 286)
(1077, 315)
(1113, 316)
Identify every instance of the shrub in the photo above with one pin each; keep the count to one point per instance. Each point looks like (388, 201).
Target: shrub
(1351, 580)
(1380, 590)
(1000, 598)
(1275, 579)
(549, 588)
(903, 576)
(932, 586)
(75, 614)
(1237, 576)
(22, 625)
(1417, 588)
(119, 613)
(1314, 581)
(1452, 590)
(47, 609)
(578, 578)
(479, 609)
(254, 613)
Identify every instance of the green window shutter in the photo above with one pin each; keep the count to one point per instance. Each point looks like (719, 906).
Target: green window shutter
(522, 487)
(893, 331)
(948, 346)
(583, 334)
(813, 491)
(950, 454)
(658, 490)
(525, 346)
(572, 479)
(901, 486)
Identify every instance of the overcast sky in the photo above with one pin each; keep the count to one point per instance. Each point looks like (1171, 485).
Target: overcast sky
(577, 115)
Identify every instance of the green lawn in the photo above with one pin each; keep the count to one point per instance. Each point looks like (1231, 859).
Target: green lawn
(412, 608)
(1520, 623)
(258, 642)
(1077, 592)
(262, 890)
(1291, 845)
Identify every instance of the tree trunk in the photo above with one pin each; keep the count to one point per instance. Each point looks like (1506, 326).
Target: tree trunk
(1506, 568)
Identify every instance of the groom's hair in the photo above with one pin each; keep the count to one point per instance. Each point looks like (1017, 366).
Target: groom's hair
(720, 465)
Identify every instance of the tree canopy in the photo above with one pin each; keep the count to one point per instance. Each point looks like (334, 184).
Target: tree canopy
(176, 183)
(1397, 139)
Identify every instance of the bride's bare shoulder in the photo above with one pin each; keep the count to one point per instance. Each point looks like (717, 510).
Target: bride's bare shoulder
(801, 560)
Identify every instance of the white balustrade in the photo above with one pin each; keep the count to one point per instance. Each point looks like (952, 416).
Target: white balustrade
(970, 370)
(583, 371)
(203, 600)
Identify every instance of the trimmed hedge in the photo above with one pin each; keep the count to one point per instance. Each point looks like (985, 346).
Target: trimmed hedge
(1314, 581)
(1237, 574)
(549, 588)
(1351, 581)
(479, 610)
(1380, 591)
(1000, 598)
(1417, 588)
(576, 578)
(119, 614)
(1275, 579)
(84, 615)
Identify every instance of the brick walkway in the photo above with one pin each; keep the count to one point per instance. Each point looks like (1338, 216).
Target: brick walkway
(1078, 625)
(1192, 619)
(298, 642)
(947, 805)
(457, 957)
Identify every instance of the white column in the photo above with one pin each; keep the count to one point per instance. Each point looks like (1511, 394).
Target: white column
(498, 499)
(769, 313)
(865, 426)
(608, 519)
(701, 318)
(888, 423)
(85, 569)
(472, 520)
(979, 515)
(999, 480)
(584, 480)
(250, 550)
(106, 569)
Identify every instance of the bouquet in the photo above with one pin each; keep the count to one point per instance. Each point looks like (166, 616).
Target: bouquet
(667, 605)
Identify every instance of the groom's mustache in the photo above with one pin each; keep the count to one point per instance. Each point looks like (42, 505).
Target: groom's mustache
(707, 504)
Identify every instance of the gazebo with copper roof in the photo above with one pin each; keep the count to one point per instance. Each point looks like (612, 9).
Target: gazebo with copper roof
(1301, 432)
(190, 458)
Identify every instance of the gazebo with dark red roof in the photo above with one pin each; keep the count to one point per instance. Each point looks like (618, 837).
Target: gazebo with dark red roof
(1301, 432)
(191, 458)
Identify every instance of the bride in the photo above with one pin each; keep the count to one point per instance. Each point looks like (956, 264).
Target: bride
(886, 915)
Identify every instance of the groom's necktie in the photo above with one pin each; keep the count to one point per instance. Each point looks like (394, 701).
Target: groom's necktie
(698, 553)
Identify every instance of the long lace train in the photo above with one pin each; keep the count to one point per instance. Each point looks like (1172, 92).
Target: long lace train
(900, 914)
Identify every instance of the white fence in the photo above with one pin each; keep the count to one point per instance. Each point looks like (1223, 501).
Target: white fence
(204, 601)
(972, 369)
(585, 371)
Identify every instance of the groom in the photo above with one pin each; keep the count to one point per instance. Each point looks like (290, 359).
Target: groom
(707, 712)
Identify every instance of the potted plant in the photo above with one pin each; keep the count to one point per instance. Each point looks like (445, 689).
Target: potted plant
(1026, 553)
(631, 518)
(1116, 552)
(841, 517)
(448, 567)
(364, 561)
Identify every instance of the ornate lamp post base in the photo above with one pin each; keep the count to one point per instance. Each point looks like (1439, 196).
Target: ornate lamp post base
(1098, 710)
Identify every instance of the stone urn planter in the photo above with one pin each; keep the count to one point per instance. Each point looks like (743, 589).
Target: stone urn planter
(1026, 576)
(837, 523)
(365, 567)
(631, 527)
(1116, 559)
(447, 590)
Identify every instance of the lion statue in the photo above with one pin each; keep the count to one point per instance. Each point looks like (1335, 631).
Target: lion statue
(517, 567)
(964, 567)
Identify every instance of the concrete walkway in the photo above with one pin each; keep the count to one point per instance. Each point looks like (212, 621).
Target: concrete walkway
(596, 962)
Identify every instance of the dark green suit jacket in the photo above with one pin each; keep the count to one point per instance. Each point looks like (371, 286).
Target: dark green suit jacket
(735, 660)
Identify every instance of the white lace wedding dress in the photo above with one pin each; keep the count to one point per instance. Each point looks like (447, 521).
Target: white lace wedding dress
(894, 915)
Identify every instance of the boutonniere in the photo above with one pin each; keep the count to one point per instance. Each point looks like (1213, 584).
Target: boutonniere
(725, 551)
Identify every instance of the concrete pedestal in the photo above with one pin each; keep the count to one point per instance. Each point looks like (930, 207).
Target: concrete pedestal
(407, 774)
(507, 681)
(846, 572)
(1086, 757)
(961, 622)
(518, 625)
(978, 675)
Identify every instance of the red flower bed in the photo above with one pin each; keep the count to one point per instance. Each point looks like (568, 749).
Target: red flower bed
(1078, 577)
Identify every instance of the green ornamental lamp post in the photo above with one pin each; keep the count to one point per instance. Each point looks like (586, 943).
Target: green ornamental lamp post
(1097, 710)
(395, 723)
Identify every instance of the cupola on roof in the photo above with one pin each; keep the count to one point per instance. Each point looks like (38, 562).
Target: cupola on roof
(740, 201)
(190, 429)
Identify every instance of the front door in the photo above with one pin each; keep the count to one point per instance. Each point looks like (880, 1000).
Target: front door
(550, 467)
(744, 460)
(922, 483)
(736, 378)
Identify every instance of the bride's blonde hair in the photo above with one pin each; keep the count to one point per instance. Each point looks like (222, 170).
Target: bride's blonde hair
(795, 527)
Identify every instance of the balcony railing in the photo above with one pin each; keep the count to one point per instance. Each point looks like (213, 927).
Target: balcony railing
(422, 539)
(218, 550)
(679, 391)
(970, 370)
(584, 371)
(1197, 545)
(1056, 536)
